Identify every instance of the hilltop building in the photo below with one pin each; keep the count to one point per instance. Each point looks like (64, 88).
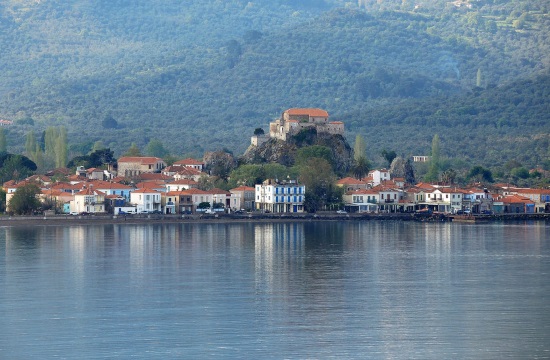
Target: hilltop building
(292, 121)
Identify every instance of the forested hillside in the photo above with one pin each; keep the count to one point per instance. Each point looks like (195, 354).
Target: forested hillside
(201, 75)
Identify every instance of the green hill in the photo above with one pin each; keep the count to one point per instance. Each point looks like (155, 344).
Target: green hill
(202, 75)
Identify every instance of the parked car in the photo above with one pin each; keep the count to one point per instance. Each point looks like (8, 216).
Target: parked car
(209, 211)
(341, 212)
(487, 212)
(156, 212)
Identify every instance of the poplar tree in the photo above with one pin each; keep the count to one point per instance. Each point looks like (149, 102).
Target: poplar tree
(359, 148)
(61, 157)
(433, 173)
(3, 141)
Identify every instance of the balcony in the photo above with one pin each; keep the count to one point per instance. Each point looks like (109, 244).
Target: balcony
(388, 201)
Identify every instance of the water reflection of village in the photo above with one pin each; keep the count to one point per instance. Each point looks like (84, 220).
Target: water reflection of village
(314, 273)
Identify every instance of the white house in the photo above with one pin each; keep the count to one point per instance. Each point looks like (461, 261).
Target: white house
(146, 200)
(280, 197)
(389, 198)
(444, 199)
(376, 177)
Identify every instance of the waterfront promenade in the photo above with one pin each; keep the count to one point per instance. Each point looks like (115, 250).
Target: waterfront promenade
(253, 217)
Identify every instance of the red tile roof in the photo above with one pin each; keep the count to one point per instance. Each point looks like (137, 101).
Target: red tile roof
(350, 181)
(307, 111)
(145, 191)
(243, 188)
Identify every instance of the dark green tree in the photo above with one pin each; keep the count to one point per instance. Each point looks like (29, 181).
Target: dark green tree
(259, 131)
(304, 154)
(109, 123)
(156, 148)
(360, 167)
(433, 172)
(480, 174)
(319, 179)
(15, 167)
(25, 200)
(133, 150)
(389, 156)
(3, 141)
(2, 200)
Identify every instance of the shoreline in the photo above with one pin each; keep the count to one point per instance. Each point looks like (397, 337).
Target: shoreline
(58, 220)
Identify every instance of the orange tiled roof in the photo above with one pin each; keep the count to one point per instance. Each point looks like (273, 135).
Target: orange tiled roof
(243, 188)
(90, 191)
(307, 111)
(350, 181)
(153, 177)
(145, 190)
(509, 199)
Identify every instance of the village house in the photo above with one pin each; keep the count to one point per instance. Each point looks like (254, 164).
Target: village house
(444, 199)
(146, 200)
(89, 200)
(182, 184)
(178, 202)
(189, 163)
(112, 188)
(242, 198)
(377, 177)
(280, 197)
(540, 197)
(199, 196)
(362, 200)
(350, 184)
(389, 198)
(515, 204)
(220, 198)
(132, 166)
(412, 200)
(477, 200)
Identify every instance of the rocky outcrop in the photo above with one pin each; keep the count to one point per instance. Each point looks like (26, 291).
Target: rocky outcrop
(284, 152)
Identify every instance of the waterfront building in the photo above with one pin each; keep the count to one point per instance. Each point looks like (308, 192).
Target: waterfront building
(280, 197)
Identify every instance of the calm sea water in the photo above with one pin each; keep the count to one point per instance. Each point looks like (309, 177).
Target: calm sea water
(354, 290)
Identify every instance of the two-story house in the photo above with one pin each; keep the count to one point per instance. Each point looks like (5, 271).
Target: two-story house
(146, 200)
(362, 200)
(132, 166)
(242, 198)
(89, 200)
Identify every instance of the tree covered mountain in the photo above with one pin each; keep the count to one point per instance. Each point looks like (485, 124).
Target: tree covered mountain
(201, 75)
